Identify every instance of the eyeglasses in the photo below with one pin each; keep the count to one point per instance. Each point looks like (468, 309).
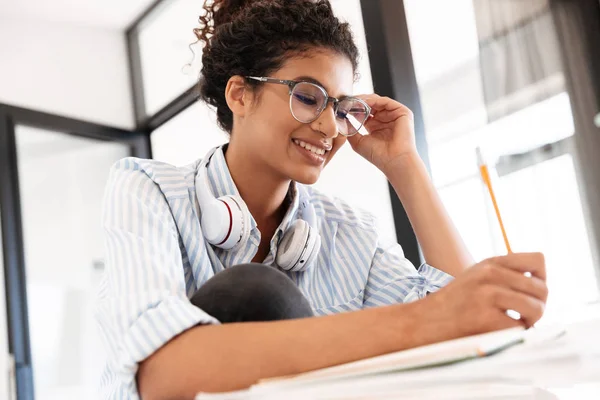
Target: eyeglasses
(308, 100)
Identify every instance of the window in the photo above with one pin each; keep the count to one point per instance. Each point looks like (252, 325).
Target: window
(170, 61)
(540, 202)
(543, 213)
(188, 136)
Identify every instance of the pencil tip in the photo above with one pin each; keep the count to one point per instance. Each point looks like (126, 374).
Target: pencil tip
(480, 161)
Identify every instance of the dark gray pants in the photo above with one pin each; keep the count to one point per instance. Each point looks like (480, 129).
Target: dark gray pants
(251, 292)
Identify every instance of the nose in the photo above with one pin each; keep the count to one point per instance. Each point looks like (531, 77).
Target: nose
(326, 123)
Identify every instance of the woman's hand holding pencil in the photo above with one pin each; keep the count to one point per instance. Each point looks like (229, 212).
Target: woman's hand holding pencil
(477, 301)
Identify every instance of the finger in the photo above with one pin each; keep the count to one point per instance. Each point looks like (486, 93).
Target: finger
(531, 309)
(533, 263)
(377, 121)
(385, 109)
(503, 321)
(389, 115)
(355, 139)
(381, 103)
(374, 125)
(531, 286)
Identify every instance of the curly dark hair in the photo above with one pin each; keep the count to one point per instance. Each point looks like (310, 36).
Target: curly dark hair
(255, 37)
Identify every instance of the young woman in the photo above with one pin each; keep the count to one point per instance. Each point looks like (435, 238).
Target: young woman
(232, 269)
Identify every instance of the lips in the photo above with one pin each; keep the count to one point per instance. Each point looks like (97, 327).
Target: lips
(307, 146)
(313, 155)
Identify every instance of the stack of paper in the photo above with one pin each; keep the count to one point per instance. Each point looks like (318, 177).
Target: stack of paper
(552, 361)
(444, 353)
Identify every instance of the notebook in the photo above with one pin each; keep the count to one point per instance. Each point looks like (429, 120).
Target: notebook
(433, 355)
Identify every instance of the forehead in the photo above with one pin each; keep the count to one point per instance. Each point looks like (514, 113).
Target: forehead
(330, 69)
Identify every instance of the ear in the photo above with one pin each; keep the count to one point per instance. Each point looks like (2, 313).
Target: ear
(236, 95)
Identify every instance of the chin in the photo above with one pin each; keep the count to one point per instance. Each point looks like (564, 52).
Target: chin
(306, 177)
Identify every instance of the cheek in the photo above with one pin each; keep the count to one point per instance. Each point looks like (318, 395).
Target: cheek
(277, 121)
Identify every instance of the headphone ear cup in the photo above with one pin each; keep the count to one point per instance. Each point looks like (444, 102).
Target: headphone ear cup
(225, 221)
(312, 251)
(215, 222)
(299, 247)
(238, 225)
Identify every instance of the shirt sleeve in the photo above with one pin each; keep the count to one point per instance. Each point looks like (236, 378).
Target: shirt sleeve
(393, 278)
(142, 301)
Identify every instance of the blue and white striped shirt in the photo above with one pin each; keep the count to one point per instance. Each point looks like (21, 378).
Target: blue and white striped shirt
(157, 259)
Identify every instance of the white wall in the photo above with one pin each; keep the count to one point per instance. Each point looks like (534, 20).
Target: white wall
(79, 72)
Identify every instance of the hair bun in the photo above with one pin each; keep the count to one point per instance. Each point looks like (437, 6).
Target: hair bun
(218, 12)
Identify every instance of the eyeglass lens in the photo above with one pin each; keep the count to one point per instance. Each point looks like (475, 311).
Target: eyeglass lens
(308, 100)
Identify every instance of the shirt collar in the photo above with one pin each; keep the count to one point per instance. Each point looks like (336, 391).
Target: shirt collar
(219, 178)
(293, 199)
(222, 184)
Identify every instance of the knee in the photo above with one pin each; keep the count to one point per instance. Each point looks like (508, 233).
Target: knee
(252, 292)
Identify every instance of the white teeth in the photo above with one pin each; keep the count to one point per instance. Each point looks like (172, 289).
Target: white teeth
(309, 147)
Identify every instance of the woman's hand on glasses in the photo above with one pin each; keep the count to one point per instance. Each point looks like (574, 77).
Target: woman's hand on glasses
(391, 133)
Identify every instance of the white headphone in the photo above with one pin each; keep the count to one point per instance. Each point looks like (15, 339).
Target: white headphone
(225, 223)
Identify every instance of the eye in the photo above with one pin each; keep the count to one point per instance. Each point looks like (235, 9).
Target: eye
(305, 98)
(358, 111)
(341, 114)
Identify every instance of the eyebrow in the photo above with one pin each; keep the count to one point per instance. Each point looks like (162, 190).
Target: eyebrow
(316, 81)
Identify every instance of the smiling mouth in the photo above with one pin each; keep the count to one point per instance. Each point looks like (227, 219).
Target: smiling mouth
(313, 149)
(312, 155)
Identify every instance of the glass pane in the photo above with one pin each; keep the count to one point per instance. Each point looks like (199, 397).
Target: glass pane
(188, 136)
(467, 197)
(62, 180)
(349, 11)
(165, 36)
(543, 213)
(453, 158)
(456, 44)
(4, 359)
(542, 203)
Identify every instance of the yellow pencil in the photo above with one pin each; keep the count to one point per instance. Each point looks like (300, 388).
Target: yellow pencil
(485, 175)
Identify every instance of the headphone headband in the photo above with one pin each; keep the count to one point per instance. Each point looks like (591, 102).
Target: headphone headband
(205, 194)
